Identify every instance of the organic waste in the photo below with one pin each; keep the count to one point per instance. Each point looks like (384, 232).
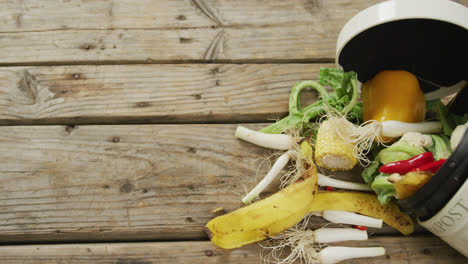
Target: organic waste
(387, 134)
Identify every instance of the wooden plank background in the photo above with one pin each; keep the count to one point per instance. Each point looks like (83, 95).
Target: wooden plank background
(106, 31)
(125, 182)
(117, 123)
(418, 250)
(183, 93)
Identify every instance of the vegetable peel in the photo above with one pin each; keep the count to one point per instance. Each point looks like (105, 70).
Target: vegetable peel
(266, 217)
(365, 204)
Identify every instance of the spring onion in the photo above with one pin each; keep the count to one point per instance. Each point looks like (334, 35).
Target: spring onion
(328, 181)
(273, 141)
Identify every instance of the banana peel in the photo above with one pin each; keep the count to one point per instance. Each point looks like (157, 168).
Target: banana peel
(266, 217)
(411, 183)
(365, 204)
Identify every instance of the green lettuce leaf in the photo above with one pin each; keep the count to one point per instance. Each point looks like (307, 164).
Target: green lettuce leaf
(397, 152)
(343, 99)
(369, 173)
(440, 147)
(340, 81)
(448, 119)
(383, 188)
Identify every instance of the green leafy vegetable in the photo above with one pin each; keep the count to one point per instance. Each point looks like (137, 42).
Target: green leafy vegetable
(397, 152)
(342, 99)
(440, 147)
(383, 188)
(448, 119)
(369, 173)
(400, 150)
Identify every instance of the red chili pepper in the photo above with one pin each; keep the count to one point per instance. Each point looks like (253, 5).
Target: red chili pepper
(361, 227)
(431, 166)
(330, 189)
(404, 166)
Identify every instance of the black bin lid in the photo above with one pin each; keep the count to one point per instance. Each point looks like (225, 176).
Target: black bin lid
(428, 38)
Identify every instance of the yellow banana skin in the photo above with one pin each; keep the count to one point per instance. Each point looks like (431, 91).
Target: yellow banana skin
(365, 204)
(266, 217)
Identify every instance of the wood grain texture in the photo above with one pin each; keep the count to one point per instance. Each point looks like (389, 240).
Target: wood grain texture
(415, 250)
(49, 15)
(270, 44)
(124, 182)
(150, 93)
(116, 32)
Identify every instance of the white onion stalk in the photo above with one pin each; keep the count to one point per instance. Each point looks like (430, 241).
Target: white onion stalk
(332, 235)
(331, 255)
(328, 181)
(273, 141)
(295, 236)
(305, 248)
(275, 170)
(393, 128)
(344, 217)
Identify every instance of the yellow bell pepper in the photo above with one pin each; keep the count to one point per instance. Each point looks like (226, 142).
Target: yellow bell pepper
(393, 95)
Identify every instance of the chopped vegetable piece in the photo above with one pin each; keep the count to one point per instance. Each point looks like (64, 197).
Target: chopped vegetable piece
(383, 188)
(365, 204)
(440, 147)
(269, 216)
(280, 142)
(399, 151)
(457, 135)
(349, 218)
(302, 246)
(405, 166)
(393, 129)
(334, 183)
(393, 95)
(217, 210)
(332, 255)
(332, 235)
(417, 139)
(343, 99)
(411, 183)
(361, 227)
(332, 151)
(274, 172)
(431, 166)
(395, 177)
(448, 119)
(369, 173)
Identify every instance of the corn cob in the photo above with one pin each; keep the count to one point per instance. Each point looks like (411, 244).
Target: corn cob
(333, 152)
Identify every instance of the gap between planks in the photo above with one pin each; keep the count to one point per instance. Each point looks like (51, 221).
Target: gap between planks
(415, 250)
(175, 62)
(105, 183)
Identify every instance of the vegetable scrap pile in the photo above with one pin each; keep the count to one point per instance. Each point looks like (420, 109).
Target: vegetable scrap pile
(386, 133)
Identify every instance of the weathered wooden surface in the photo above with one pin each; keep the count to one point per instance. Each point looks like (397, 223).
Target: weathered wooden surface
(415, 250)
(49, 15)
(21, 16)
(264, 44)
(184, 93)
(120, 31)
(130, 182)
(47, 32)
(101, 183)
